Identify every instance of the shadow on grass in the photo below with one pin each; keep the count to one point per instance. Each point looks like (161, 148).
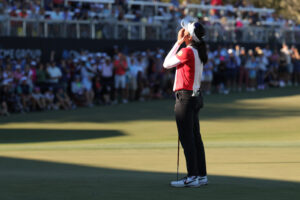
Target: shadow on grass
(216, 107)
(31, 179)
(49, 135)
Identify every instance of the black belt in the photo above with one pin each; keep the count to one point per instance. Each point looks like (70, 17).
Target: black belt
(189, 92)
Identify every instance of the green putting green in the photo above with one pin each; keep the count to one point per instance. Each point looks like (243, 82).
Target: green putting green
(129, 151)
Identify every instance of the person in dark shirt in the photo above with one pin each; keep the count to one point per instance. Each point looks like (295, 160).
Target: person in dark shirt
(231, 68)
(63, 100)
(3, 103)
(243, 73)
(24, 90)
(12, 100)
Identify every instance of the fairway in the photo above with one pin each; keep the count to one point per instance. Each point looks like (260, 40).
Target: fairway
(128, 151)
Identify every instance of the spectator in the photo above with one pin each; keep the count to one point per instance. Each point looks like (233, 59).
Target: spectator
(3, 102)
(66, 15)
(120, 65)
(87, 74)
(38, 100)
(7, 75)
(243, 73)
(296, 63)
(64, 101)
(66, 74)
(97, 88)
(231, 71)
(29, 74)
(18, 73)
(49, 100)
(95, 74)
(106, 71)
(289, 65)
(78, 92)
(134, 69)
(11, 98)
(262, 63)
(282, 69)
(251, 66)
(54, 74)
(57, 15)
(219, 71)
(23, 13)
(41, 76)
(24, 90)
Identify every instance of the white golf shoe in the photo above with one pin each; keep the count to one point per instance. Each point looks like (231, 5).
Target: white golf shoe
(190, 181)
(202, 180)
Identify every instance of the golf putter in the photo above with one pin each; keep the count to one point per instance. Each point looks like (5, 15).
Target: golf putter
(178, 158)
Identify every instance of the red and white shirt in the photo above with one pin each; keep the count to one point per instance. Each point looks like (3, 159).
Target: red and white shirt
(189, 68)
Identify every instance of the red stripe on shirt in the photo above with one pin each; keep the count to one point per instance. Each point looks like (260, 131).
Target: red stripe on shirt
(185, 71)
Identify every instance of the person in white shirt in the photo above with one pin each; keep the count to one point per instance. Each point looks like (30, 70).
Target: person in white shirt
(290, 67)
(142, 62)
(134, 69)
(66, 15)
(54, 73)
(57, 14)
(262, 63)
(88, 72)
(106, 72)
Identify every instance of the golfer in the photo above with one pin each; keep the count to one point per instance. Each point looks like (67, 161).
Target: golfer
(189, 63)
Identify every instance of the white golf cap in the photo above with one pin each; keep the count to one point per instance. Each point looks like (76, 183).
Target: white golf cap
(189, 26)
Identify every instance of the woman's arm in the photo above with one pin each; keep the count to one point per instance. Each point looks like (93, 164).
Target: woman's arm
(171, 60)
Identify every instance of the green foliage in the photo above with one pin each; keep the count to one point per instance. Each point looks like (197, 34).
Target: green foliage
(289, 9)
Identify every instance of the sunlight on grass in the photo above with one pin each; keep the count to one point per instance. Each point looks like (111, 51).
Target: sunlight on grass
(255, 138)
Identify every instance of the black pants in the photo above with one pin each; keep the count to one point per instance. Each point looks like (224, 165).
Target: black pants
(186, 112)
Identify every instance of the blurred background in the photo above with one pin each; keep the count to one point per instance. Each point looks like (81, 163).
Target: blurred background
(86, 105)
(73, 48)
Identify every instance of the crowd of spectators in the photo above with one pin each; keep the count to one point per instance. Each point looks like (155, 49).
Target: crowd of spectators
(57, 10)
(97, 78)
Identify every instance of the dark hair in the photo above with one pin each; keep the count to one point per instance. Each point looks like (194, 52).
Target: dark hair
(201, 45)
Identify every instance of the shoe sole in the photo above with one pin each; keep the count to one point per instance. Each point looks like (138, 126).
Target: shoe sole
(191, 186)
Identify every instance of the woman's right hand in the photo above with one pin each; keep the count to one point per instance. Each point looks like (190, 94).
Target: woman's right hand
(180, 36)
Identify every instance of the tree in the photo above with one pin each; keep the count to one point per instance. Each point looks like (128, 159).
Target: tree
(289, 9)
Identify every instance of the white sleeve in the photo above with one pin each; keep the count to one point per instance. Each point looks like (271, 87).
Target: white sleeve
(171, 60)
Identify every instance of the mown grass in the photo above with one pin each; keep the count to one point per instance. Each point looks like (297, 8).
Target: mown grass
(128, 151)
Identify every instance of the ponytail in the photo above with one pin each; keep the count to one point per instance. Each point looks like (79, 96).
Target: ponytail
(201, 48)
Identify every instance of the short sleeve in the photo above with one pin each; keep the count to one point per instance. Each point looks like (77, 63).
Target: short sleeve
(184, 54)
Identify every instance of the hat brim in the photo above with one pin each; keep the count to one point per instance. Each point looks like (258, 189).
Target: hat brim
(184, 24)
(190, 28)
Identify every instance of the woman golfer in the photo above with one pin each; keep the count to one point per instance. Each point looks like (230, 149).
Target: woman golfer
(189, 63)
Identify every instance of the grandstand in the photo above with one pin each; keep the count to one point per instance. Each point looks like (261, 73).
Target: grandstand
(63, 54)
(107, 19)
(87, 103)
